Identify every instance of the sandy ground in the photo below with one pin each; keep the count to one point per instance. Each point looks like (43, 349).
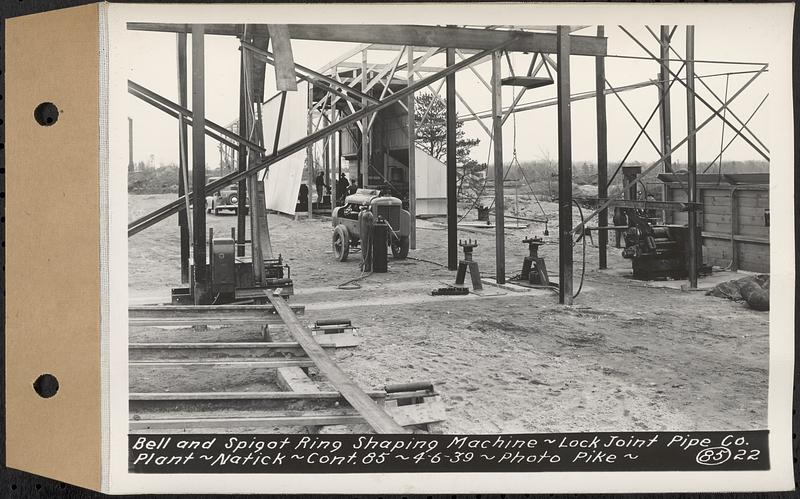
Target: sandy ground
(627, 355)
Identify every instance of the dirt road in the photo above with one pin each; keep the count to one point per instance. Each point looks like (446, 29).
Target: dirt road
(625, 356)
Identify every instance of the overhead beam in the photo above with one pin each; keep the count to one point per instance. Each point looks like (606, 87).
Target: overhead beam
(309, 75)
(381, 66)
(167, 210)
(554, 101)
(414, 35)
(139, 91)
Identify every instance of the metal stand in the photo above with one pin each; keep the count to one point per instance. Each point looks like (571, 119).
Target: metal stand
(533, 268)
(468, 263)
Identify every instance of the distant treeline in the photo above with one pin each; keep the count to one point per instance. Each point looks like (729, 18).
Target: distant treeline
(164, 179)
(586, 173)
(161, 180)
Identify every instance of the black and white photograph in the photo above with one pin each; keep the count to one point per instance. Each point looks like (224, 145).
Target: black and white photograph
(429, 239)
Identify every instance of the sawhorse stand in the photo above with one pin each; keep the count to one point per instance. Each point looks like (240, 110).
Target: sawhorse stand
(468, 263)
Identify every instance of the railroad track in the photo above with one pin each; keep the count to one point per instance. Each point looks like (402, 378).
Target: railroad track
(249, 383)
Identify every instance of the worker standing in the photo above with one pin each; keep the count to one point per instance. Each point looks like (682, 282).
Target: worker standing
(620, 219)
(342, 187)
(320, 183)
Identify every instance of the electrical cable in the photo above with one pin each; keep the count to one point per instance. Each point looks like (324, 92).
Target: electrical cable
(583, 263)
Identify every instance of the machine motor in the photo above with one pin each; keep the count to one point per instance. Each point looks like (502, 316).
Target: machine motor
(658, 251)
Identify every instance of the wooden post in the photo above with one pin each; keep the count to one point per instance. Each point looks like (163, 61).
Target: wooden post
(310, 153)
(412, 149)
(364, 164)
(564, 168)
(499, 194)
(452, 196)
(691, 156)
(602, 150)
(241, 222)
(183, 155)
(201, 283)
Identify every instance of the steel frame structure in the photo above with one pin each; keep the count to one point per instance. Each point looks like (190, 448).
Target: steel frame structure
(472, 46)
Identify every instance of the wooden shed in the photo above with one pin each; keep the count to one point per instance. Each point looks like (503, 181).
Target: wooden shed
(734, 222)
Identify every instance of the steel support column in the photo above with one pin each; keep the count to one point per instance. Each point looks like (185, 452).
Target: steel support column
(602, 150)
(665, 111)
(241, 159)
(412, 148)
(201, 288)
(452, 199)
(564, 168)
(497, 147)
(691, 159)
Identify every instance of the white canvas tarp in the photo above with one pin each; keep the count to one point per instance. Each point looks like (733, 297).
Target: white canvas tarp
(282, 181)
(431, 178)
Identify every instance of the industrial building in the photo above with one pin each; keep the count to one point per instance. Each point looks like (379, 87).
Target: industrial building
(357, 117)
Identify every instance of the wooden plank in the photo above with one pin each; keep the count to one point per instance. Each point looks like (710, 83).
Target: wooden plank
(738, 238)
(294, 379)
(430, 410)
(145, 322)
(233, 363)
(286, 395)
(285, 79)
(340, 340)
(376, 417)
(172, 311)
(414, 35)
(163, 351)
(277, 345)
(304, 419)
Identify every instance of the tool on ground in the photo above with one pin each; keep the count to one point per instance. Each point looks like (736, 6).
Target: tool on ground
(450, 290)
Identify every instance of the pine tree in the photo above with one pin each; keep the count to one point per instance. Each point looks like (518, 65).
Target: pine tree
(430, 117)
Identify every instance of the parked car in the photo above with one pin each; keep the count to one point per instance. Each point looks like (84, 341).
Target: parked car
(226, 198)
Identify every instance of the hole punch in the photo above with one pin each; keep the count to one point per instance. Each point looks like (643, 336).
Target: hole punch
(46, 385)
(46, 114)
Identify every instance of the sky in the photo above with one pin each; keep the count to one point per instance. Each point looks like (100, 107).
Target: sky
(155, 61)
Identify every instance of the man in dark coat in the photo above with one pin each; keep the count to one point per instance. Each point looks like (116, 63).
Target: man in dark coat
(320, 183)
(341, 187)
